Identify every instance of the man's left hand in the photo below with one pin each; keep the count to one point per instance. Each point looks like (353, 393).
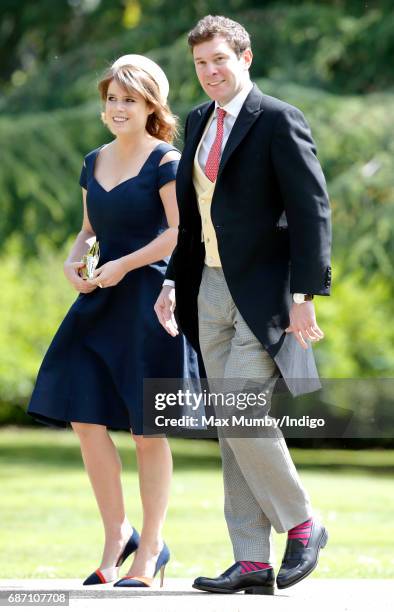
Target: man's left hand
(303, 324)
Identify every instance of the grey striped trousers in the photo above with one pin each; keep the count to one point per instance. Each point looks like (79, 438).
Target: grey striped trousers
(261, 484)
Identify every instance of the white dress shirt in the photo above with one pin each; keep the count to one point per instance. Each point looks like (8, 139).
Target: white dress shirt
(232, 109)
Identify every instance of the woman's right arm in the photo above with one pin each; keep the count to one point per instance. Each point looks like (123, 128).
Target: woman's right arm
(73, 262)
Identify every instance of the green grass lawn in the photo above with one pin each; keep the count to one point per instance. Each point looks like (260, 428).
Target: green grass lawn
(50, 527)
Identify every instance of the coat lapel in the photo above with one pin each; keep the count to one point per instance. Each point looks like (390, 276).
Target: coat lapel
(185, 190)
(249, 112)
(194, 137)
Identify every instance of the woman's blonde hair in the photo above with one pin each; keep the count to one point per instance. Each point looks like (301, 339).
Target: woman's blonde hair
(161, 124)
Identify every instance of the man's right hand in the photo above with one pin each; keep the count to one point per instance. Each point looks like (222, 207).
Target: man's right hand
(71, 273)
(164, 309)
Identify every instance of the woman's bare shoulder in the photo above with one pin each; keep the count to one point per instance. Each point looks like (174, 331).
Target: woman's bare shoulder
(173, 155)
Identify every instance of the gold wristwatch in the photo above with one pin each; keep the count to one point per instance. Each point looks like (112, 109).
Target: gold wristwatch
(300, 298)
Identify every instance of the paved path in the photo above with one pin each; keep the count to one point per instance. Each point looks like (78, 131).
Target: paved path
(177, 595)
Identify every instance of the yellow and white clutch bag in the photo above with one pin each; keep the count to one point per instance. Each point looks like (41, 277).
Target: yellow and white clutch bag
(90, 259)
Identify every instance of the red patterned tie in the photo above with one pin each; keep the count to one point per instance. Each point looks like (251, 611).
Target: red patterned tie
(213, 161)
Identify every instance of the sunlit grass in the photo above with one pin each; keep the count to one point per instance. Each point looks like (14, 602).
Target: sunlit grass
(49, 523)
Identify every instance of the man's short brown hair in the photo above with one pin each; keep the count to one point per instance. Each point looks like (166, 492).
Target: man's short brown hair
(215, 25)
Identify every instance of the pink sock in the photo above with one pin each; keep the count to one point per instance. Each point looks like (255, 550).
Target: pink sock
(253, 566)
(301, 532)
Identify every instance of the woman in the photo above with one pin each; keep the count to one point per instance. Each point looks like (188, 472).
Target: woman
(110, 340)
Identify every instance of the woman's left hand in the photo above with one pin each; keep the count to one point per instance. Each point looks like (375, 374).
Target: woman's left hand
(109, 275)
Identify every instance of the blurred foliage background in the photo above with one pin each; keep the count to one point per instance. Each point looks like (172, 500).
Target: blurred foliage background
(332, 59)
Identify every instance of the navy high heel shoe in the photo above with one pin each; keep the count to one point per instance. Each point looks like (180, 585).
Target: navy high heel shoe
(109, 574)
(146, 581)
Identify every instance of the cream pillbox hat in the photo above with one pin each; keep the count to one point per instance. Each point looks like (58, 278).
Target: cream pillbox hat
(149, 66)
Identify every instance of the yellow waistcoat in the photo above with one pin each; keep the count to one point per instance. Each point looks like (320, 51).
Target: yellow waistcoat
(204, 191)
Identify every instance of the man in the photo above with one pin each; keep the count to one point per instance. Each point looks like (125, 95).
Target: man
(253, 249)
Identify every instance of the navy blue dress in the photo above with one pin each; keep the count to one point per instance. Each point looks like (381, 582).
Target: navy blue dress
(110, 339)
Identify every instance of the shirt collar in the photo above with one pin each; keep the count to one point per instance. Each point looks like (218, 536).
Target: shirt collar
(234, 106)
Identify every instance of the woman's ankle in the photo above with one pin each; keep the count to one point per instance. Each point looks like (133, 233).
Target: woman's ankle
(119, 532)
(151, 545)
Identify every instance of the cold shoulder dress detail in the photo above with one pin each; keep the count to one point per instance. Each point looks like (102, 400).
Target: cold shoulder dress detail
(110, 339)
